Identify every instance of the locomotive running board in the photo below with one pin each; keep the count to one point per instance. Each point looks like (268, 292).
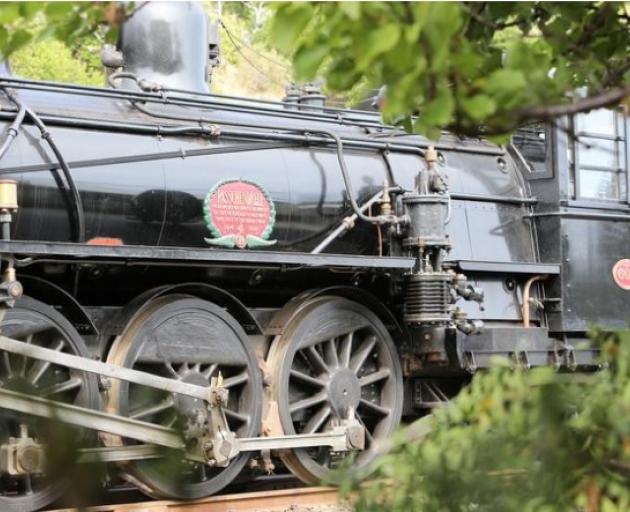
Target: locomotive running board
(146, 255)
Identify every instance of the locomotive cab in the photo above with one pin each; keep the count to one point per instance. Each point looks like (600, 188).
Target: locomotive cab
(578, 172)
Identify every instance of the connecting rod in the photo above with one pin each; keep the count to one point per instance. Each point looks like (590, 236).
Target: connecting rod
(105, 369)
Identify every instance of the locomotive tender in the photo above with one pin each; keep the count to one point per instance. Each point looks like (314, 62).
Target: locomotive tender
(231, 280)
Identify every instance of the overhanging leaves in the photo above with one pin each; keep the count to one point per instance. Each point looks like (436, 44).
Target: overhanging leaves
(502, 62)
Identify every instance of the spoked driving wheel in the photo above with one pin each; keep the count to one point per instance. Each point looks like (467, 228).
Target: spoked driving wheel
(335, 359)
(29, 483)
(187, 339)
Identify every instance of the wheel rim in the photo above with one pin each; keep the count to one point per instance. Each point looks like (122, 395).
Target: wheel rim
(191, 340)
(334, 359)
(35, 323)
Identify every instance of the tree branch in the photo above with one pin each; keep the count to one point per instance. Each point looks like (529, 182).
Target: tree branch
(604, 99)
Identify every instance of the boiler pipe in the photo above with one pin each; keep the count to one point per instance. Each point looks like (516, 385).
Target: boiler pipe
(13, 130)
(182, 101)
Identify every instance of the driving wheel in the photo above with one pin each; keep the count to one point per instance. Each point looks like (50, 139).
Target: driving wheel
(334, 360)
(191, 340)
(46, 444)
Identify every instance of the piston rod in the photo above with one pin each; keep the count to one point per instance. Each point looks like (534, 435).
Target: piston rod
(89, 418)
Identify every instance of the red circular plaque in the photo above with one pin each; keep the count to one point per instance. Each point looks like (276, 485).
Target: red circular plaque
(239, 209)
(621, 274)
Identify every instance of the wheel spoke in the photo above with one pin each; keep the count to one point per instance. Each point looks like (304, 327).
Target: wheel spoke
(39, 367)
(377, 376)
(171, 370)
(236, 416)
(67, 385)
(361, 355)
(316, 359)
(7, 363)
(307, 402)
(172, 420)
(317, 420)
(28, 340)
(330, 350)
(236, 380)
(345, 350)
(313, 381)
(381, 411)
(210, 370)
(152, 409)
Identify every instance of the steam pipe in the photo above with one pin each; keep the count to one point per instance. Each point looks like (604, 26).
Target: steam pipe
(347, 223)
(207, 130)
(526, 288)
(181, 101)
(379, 219)
(13, 130)
(46, 135)
(66, 173)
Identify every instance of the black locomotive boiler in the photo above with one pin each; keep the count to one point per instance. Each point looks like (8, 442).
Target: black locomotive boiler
(246, 286)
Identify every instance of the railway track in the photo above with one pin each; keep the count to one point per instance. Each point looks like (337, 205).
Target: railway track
(308, 498)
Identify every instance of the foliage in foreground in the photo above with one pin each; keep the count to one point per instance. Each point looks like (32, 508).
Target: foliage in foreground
(463, 65)
(518, 441)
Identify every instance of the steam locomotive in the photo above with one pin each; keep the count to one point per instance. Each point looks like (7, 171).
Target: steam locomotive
(204, 287)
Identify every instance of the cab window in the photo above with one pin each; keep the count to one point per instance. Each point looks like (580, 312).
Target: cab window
(532, 142)
(597, 156)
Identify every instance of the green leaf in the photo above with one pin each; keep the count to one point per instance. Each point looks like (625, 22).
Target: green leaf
(290, 20)
(58, 9)
(111, 36)
(9, 12)
(439, 111)
(29, 9)
(375, 43)
(500, 139)
(18, 39)
(478, 107)
(308, 59)
(351, 9)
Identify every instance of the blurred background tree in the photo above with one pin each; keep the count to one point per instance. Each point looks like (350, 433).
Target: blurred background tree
(61, 41)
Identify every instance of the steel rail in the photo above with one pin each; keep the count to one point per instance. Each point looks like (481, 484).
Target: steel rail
(269, 501)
